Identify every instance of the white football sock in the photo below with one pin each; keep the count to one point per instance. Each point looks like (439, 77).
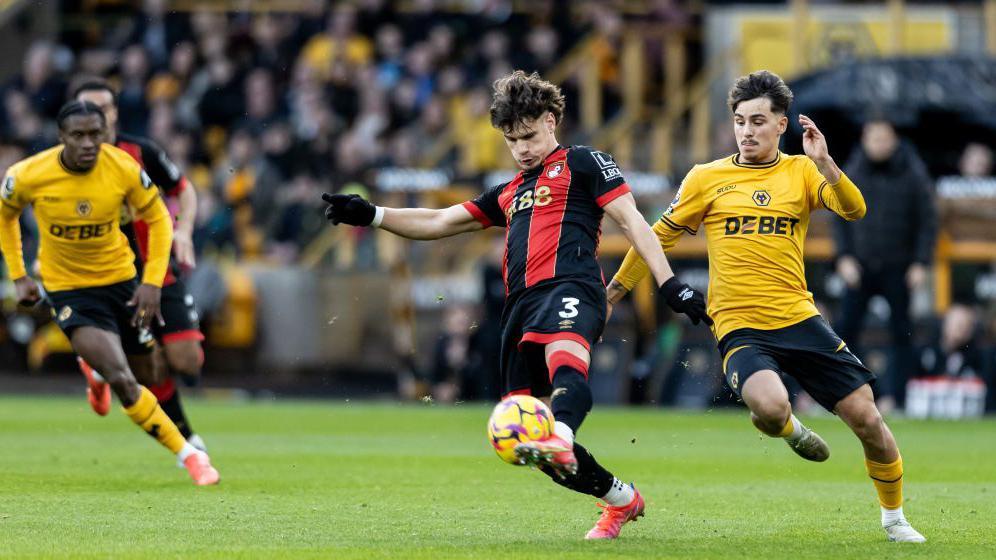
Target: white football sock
(796, 430)
(890, 516)
(564, 432)
(187, 451)
(621, 494)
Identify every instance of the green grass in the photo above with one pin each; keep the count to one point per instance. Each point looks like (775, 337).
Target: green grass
(307, 479)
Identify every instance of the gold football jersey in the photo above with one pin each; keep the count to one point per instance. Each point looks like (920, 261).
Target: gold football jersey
(78, 215)
(755, 218)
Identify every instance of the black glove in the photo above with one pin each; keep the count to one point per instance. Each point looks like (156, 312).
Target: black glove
(683, 299)
(350, 209)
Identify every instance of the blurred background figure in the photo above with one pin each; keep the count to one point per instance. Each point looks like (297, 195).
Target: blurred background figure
(889, 251)
(950, 382)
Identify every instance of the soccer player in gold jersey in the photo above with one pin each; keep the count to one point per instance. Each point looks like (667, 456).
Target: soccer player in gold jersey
(754, 207)
(87, 268)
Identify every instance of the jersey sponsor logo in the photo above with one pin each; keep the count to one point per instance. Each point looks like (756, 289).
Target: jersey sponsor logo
(761, 197)
(65, 313)
(727, 188)
(83, 207)
(7, 191)
(146, 180)
(81, 232)
(540, 196)
(606, 164)
(761, 225)
(555, 169)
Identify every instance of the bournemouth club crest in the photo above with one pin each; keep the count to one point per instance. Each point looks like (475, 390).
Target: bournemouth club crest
(555, 169)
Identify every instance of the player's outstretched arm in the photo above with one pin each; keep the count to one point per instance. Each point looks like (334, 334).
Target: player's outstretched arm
(679, 296)
(636, 229)
(842, 196)
(412, 223)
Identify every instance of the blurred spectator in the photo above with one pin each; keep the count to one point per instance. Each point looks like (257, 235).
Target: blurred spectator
(950, 384)
(158, 30)
(976, 161)
(133, 110)
(39, 81)
(338, 42)
(887, 252)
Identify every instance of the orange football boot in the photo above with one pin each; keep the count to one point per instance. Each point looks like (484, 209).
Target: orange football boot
(199, 466)
(613, 518)
(97, 392)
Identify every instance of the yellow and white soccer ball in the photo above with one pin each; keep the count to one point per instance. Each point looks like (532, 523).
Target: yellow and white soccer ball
(518, 419)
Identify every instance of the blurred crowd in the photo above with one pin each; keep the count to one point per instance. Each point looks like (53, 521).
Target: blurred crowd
(265, 110)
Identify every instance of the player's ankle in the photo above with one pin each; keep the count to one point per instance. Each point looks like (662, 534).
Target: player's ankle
(186, 451)
(620, 494)
(890, 516)
(564, 432)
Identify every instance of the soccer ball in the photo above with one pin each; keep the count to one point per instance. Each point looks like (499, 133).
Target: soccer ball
(518, 419)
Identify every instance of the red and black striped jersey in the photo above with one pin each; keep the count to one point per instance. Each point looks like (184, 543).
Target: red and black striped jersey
(167, 176)
(552, 216)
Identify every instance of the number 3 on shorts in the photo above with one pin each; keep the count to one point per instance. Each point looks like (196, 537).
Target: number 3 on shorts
(570, 308)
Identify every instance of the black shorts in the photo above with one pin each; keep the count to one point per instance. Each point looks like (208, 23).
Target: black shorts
(182, 321)
(809, 351)
(566, 310)
(103, 307)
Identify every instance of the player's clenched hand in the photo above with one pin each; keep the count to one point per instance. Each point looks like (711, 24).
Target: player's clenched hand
(683, 299)
(26, 291)
(350, 209)
(146, 303)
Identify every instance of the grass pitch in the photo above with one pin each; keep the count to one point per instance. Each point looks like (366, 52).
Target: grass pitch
(347, 480)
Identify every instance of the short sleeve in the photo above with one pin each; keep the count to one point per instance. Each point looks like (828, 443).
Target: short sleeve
(486, 209)
(687, 210)
(600, 172)
(161, 169)
(13, 193)
(142, 192)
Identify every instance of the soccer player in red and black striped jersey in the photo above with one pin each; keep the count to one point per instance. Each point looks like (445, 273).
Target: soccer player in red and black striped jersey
(179, 336)
(555, 306)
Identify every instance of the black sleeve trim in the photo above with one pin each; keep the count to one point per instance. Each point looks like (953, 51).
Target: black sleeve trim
(678, 226)
(823, 185)
(149, 205)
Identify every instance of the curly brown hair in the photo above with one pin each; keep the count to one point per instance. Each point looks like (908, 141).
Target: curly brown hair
(761, 84)
(519, 97)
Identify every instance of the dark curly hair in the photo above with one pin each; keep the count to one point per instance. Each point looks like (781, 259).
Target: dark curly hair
(761, 84)
(519, 97)
(73, 108)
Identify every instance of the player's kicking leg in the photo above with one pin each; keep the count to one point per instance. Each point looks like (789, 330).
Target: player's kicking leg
(103, 350)
(771, 412)
(882, 459)
(567, 462)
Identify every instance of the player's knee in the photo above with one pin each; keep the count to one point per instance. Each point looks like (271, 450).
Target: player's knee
(868, 423)
(772, 413)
